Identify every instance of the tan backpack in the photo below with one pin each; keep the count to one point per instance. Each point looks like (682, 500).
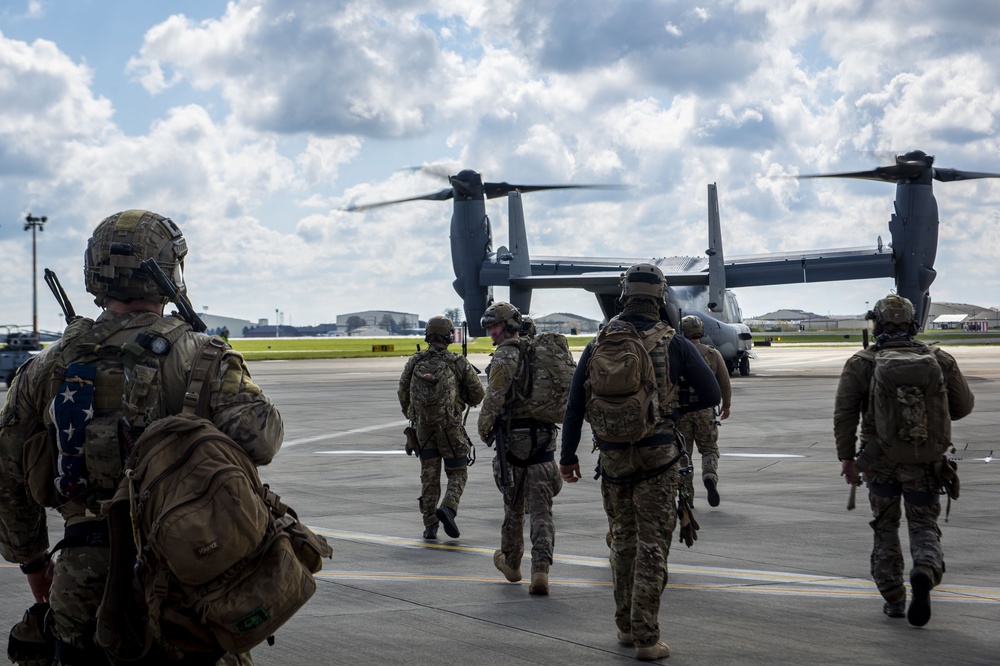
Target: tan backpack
(220, 561)
(621, 390)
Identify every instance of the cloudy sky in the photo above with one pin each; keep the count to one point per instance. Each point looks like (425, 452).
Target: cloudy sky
(254, 123)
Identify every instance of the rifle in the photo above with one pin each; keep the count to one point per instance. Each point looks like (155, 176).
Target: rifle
(506, 480)
(171, 291)
(52, 280)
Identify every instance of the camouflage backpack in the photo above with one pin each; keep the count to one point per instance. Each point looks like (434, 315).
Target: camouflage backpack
(908, 404)
(433, 387)
(621, 390)
(544, 377)
(219, 561)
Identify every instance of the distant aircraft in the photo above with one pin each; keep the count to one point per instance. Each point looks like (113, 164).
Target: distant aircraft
(696, 286)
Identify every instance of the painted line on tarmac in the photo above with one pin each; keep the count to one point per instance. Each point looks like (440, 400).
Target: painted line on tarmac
(763, 455)
(346, 433)
(743, 580)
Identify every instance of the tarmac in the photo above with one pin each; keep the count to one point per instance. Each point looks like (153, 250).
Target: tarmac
(779, 574)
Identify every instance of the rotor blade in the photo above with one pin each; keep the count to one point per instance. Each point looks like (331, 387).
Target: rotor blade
(948, 175)
(494, 190)
(890, 174)
(443, 195)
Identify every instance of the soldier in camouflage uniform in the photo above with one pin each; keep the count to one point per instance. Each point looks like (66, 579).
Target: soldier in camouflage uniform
(531, 446)
(440, 429)
(919, 485)
(73, 584)
(700, 427)
(639, 482)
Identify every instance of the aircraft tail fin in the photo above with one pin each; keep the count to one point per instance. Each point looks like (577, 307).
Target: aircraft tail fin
(520, 262)
(716, 261)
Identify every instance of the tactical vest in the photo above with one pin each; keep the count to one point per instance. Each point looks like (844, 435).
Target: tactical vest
(104, 390)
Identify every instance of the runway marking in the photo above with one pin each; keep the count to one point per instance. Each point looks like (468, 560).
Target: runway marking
(763, 455)
(346, 433)
(360, 453)
(742, 580)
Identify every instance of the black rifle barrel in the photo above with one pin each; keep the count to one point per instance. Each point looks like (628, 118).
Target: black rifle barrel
(171, 291)
(57, 290)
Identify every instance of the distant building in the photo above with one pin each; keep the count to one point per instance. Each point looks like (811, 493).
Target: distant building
(566, 323)
(216, 323)
(394, 322)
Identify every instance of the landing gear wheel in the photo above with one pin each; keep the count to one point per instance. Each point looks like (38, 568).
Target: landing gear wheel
(744, 366)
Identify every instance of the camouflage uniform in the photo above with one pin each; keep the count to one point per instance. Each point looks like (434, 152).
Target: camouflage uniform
(700, 427)
(238, 409)
(919, 485)
(531, 449)
(640, 482)
(448, 441)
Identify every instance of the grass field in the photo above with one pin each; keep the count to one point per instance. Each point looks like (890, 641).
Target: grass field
(263, 349)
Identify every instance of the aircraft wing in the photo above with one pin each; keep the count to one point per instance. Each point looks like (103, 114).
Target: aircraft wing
(602, 275)
(810, 266)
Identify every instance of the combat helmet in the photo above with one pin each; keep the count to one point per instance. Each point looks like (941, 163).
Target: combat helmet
(692, 327)
(643, 280)
(502, 313)
(439, 329)
(895, 312)
(527, 326)
(123, 240)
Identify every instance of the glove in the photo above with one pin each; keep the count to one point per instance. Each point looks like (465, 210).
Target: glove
(688, 533)
(28, 644)
(411, 440)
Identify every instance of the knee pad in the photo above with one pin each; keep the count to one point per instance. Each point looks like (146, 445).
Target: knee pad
(456, 463)
(921, 498)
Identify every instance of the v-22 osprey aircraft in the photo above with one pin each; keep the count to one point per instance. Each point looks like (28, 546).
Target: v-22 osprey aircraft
(698, 286)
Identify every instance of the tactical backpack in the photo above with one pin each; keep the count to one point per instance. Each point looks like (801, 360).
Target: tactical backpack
(433, 388)
(220, 562)
(908, 404)
(544, 377)
(621, 392)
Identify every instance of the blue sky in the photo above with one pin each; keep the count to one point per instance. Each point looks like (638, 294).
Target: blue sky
(252, 124)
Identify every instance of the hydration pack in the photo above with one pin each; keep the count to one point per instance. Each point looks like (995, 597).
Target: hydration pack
(908, 404)
(220, 562)
(433, 388)
(544, 377)
(621, 389)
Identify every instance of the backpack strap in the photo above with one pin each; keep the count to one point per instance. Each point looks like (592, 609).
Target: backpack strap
(206, 364)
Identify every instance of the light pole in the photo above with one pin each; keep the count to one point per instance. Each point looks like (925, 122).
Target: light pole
(276, 324)
(34, 223)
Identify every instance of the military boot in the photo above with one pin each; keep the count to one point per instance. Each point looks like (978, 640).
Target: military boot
(711, 485)
(921, 580)
(431, 532)
(500, 562)
(625, 638)
(447, 516)
(658, 650)
(896, 610)
(539, 583)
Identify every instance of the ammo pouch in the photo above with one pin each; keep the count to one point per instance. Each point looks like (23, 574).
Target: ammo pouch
(947, 472)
